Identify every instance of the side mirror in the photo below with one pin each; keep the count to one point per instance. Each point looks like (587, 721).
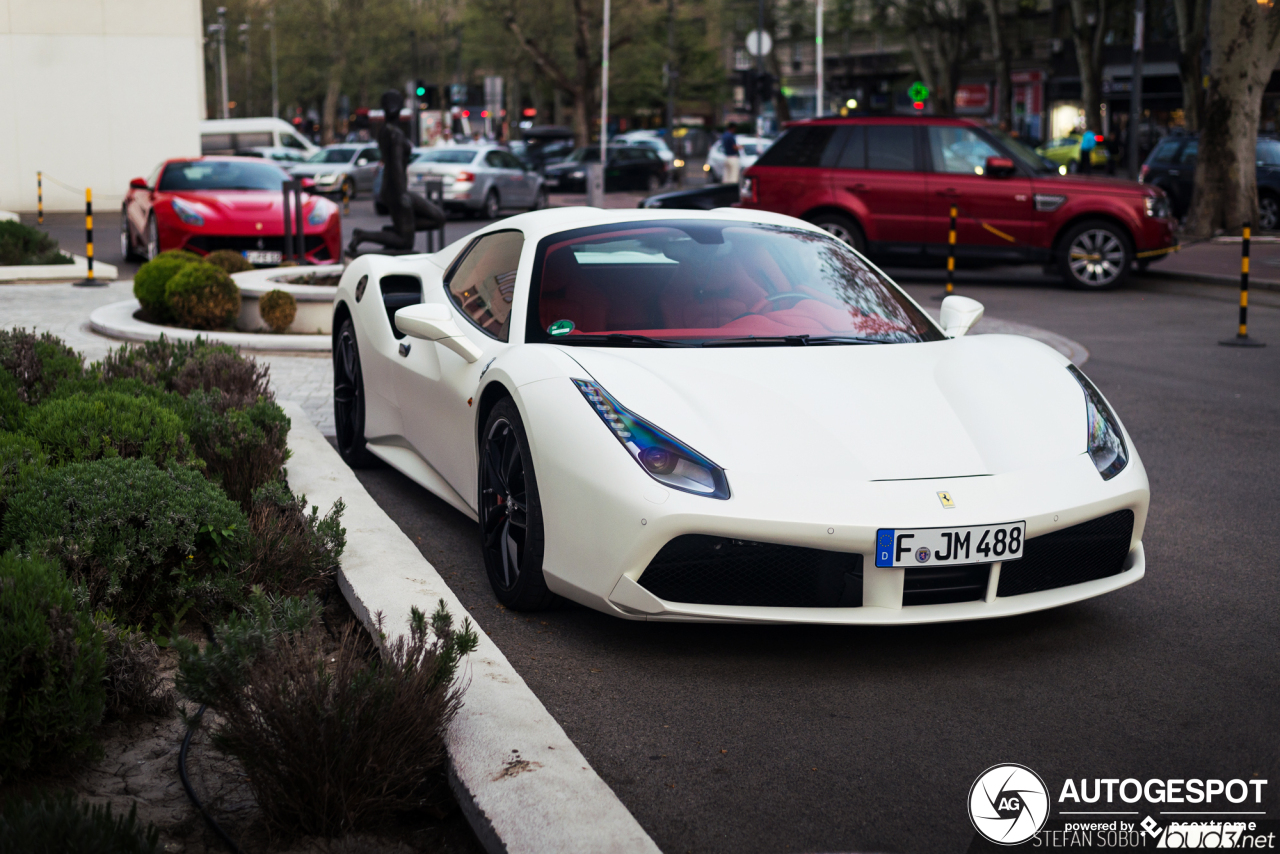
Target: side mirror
(434, 322)
(999, 167)
(138, 184)
(959, 314)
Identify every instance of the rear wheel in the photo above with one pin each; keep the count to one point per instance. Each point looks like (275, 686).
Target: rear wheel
(1268, 212)
(511, 533)
(491, 206)
(842, 227)
(1096, 255)
(127, 252)
(348, 398)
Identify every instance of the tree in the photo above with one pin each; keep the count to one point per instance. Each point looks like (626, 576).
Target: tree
(1244, 38)
(937, 34)
(1088, 26)
(1004, 76)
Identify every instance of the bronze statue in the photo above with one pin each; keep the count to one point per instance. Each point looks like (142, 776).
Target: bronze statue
(410, 212)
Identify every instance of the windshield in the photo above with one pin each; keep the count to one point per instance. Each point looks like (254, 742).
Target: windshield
(585, 155)
(1269, 152)
(222, 175)
(712, 283)
(446, 155)
(333, 155)
(1023, 154)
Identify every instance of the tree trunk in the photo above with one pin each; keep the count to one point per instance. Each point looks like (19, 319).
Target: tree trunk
(333, 91)
(1191, 21)
(1245, 40)
(587, 80)
(1088, 41)
(1003, 93)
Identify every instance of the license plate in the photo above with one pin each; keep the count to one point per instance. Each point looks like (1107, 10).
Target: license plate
(552, 182)
(950, 546)
(257, 256)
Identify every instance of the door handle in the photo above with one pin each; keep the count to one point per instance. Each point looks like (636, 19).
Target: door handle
(856, 187)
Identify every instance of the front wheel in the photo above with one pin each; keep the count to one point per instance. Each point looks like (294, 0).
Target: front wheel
(127, 252)
(842, 228)
(1268, 212)
(511, 532)
(1096, 256)
(349, 399)
(153, 238)
(539, 200)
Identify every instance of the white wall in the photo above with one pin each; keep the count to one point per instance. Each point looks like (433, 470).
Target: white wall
(94, 93)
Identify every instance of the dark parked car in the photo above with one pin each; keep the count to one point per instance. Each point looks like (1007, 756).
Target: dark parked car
(886, 184)
(706, 198)
(628, 168)
(1171, 166)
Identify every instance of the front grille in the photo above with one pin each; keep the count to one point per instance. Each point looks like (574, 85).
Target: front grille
(211, 243)
(1084, 552)
(937, 585)
(703, 570)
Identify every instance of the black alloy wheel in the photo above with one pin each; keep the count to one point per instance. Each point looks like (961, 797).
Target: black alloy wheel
(1268, 212)
(348, 399)
(511, 534)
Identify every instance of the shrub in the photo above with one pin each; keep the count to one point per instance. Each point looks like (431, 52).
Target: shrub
(22, 244)
(202, 296)
(13, 412)
(21, 461)
(89, 426)
(51, 667)
(242, 379)
(137, 538)
(291, 550)
(59, 823)
(152, 362)
(278, 309)
(229, 260)
(133, 681)
(330, 740)
(241, 448)
(153, 277)
(181, 255)
(36, 364)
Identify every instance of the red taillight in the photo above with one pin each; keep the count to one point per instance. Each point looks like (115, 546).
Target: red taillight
(1143, 173)
(465, 176)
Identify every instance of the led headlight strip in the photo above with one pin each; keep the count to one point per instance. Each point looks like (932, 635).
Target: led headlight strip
(665, 458)
(1106, 442)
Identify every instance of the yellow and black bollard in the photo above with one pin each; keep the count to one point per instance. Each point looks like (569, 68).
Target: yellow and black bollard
(951, 253)
(88, 281)
(40, 197)
(346, 199)
(1242, 338)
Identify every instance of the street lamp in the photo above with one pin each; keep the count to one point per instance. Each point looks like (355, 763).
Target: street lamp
(269, 26)
(221, 29)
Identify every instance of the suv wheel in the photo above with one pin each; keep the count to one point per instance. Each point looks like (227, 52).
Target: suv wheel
(1096, 255)
(838, 225)
(1268, 212)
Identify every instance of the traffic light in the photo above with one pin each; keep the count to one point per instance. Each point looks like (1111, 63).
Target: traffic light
(420, 90)
(764, 88)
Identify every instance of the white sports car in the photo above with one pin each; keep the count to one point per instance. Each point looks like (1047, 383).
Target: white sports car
(731, 416)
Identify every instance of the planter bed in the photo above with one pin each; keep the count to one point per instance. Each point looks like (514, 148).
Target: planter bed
(315, 300)
(118, 320)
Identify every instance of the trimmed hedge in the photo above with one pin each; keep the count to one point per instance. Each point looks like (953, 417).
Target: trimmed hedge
(35, 364)
(21, 461)
(278, 309)
(89, 426)
(51, 667)
(137, 538)
(153, 277)
(202, 296)
(59, 823)
(21, 244)
(229, 260)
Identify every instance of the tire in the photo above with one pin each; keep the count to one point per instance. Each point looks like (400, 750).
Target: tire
(512, 540)
(1268, 212)
(1109, 256)
(349, 399)
(153, 239)
(842, 227)
(127, 250)
(492, 207)
(349, 187)
(653, 183)
(539, 200)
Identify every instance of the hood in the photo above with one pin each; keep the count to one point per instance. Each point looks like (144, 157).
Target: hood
(258, 205)
(310, 169)
(981, 405)
(1080, 184)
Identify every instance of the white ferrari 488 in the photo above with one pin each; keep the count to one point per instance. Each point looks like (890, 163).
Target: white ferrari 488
(731, 416)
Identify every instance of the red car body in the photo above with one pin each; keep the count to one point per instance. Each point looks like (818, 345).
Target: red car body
(167, 210)
(896, 205)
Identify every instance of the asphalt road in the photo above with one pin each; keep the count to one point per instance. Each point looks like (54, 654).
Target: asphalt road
(770, 739)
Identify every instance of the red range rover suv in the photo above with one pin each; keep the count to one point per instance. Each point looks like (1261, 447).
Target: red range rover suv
(886, 185)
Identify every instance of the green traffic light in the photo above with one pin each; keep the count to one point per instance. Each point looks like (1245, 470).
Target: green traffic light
(918, 91)
(420, 91)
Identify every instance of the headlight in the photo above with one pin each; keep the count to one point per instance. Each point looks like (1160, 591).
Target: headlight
(1106, 442)
(1062, 170)
(1158, 206)
(577, 174)
(320, 213)
(186, 213)
(328, 178)
(665, 458)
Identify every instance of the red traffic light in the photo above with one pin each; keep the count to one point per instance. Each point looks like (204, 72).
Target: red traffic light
(919, 105)
(529, 112)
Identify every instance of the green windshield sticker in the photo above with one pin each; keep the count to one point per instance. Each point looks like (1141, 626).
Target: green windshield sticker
(560, 327)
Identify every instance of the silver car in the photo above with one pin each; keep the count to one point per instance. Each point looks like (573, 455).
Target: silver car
(480, 179)
(336, 168)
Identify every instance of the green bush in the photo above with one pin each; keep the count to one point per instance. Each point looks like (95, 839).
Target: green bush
(153, 277)
(21, 461)
(153, 362)
(59, 824)
(36, 365)
(229, 260)
(22, 244)
(133, 681)
(330, 740)
(89, 426)
(242, 379)
(138, 539)
(202, 296)
(181, 255)
(242, 449)
(278, 309)
(51, 667)
(290, 550)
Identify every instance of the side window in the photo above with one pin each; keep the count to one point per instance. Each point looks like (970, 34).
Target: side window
(1166, 151)
(511, 161)
(1189, 153)
(891, 148)
(959, 150)
(482, 283)
(154, 176)
(373, 155)
(802, 146)
(291, 140)
(253, 140)
(494, 159)
(854, 155)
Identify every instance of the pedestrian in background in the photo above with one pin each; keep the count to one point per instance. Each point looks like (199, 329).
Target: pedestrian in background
(732, 162)
(1088, 142)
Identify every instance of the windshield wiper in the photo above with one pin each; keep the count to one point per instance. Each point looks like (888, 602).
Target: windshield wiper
(789, 341)
(615, 339)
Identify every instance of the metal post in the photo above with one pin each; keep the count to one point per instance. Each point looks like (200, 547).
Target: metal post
(755, 99)
(817, 45)
(88, 281)
(604, 89)
(346, 200)
(275, 78)
(222, 57)
(299, 234)
(40, 198)
(1135, 88)
(245, 29)
(286, 252)
(1242, 338)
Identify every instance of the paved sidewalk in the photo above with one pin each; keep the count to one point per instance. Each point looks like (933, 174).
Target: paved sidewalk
(64, 310)
(1219, 262)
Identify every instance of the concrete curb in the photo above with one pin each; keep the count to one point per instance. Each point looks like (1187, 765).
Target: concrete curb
(59, 272)
(117, 321)
(1211, 279)
(523, 785)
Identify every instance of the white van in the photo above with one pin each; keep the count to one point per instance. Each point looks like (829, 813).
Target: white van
(257, 137)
